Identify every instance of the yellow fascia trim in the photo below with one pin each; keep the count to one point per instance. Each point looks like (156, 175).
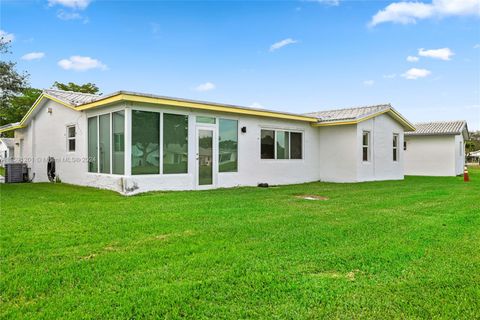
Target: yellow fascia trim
(339, 123)
(40, 99)
(11, 128)
(193, 105)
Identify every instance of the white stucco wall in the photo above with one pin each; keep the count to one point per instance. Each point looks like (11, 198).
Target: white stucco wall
(251, 168)
(45, 137)
(338, 159)
(381, 166)
(341, 151)
(431, 156)
(6, 153)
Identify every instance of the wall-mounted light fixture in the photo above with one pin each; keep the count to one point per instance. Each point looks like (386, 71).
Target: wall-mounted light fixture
(49, 110)
(244, 129)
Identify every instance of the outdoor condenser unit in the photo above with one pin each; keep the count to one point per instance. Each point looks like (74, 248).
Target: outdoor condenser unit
(16, 172)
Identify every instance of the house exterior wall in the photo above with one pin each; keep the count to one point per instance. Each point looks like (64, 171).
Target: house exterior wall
(381, 165)
(431, 155)
(46, 136)
(341, 151)
(251, 168)
(459, 154)
(337, 153)
(6, 153)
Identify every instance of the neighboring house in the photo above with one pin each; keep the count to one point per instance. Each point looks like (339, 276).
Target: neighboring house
(132, 142)
(436, 148)
(474, 157)
(6, 150)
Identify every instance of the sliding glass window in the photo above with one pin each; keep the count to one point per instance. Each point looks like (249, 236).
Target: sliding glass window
(228, 145)
(92, 144)
(267, 148)
(145, 142)
(283, 145)
(118, 142)
(175, 143)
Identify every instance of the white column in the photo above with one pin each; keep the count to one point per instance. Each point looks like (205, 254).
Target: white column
(128, 141)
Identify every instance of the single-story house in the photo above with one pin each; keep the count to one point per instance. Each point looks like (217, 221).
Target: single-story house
(436, 148)
(6, 150)
(132, 142)
(474, 157)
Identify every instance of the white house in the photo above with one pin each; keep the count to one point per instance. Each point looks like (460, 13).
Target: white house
(436, 148)
(132, 142)
(6, 150)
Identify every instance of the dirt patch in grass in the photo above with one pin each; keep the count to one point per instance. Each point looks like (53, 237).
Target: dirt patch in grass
(311, 197)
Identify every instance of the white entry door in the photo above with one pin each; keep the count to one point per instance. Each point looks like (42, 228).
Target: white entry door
(205, 157)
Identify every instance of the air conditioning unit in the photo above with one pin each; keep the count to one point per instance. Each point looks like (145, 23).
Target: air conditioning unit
(16, 172)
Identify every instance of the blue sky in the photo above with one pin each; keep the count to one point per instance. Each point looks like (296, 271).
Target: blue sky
(296, 56)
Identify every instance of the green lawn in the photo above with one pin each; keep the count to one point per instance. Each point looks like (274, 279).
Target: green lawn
(398, 249)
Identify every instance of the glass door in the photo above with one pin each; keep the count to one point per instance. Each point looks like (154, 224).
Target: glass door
(205, 157)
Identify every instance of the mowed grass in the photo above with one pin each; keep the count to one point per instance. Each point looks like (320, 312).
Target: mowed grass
(397, 249)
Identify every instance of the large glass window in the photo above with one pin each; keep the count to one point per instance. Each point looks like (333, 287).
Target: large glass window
(283, 145)
(175, 143)
(92, 144)
(366, 146)
(267, 144)
(118, 142)
(296, 145)
(288, 144)
(395, 147)
(104, 143)
(228, 146)
(145, 142)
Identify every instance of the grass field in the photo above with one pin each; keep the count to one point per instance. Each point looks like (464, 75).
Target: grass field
(398, 249)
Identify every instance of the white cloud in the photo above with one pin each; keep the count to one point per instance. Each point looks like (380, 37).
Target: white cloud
(442, 54)
(368, 83)
(257, 105)
(415, 73)
(63, 15)
(390, 76)
(6, 37)
(410, 12)
(329, 2)
(79, 63)
(207, 86)
(33, 56)
(477, 46)
(282, 43)
(412, 59)
(74, 4)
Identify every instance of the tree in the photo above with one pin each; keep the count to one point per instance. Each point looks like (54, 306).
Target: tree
(18, 105)
(84, 88)
(12, 83)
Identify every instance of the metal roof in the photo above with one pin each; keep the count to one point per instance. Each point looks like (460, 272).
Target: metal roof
(349, 114)
(439, 128)
(71, 97)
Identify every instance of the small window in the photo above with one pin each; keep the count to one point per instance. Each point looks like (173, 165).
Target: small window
(268, 144)
(71, 138)
(202, 119)
(395, 147)
(404, 145)
(366, 146)
(461, 149)
(228, 145)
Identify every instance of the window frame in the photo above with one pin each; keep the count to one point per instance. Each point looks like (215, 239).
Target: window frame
(97, 116)
(368, 146)
(74, 138)
(396, 147)
(284, 130)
